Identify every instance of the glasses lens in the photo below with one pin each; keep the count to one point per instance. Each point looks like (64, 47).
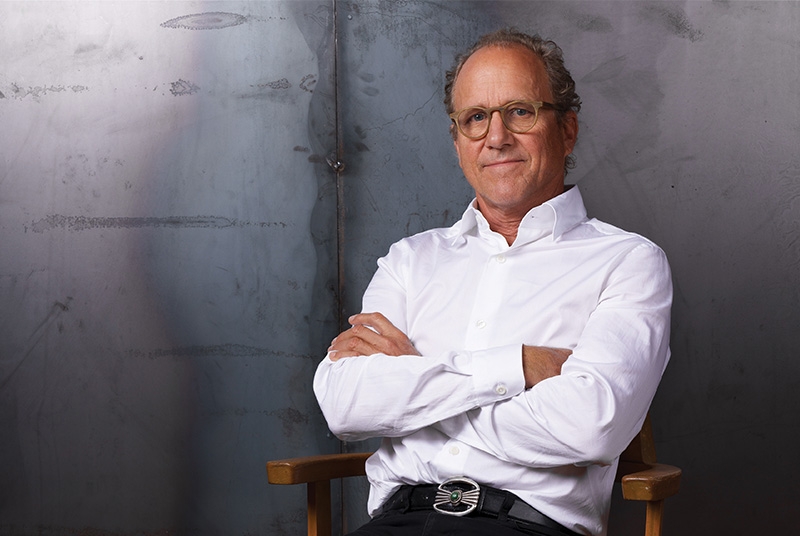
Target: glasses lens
(473, 122)
(519, 117)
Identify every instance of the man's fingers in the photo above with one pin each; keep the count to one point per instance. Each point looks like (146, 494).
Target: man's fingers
(378, 331)
(368, 336)
(336, 355)
(373, 333)
(350, 342)
(376, 321)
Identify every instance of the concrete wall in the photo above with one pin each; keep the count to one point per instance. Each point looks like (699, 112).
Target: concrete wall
(168, 238)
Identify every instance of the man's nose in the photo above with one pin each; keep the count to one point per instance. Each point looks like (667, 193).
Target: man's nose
(498, 135)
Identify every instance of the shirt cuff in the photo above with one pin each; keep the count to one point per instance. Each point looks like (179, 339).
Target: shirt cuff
(497, 373)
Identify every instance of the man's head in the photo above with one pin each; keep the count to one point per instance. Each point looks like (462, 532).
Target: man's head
(512, 170)
(561, 83)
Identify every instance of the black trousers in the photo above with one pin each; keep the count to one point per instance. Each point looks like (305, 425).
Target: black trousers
(431, 523)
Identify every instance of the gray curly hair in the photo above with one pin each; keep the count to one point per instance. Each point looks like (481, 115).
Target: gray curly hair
(561, 82)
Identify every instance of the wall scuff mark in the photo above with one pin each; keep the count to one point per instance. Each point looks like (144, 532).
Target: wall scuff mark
(206, 21)
(283, 83)
(19, 92)
(84, 223)
(182, 87)
(218, 350)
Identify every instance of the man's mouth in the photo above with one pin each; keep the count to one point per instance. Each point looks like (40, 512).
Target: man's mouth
(500, 163)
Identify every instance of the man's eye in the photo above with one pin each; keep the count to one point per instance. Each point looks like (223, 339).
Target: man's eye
(476, 117)
(519, 112)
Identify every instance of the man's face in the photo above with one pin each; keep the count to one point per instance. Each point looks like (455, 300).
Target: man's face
(512, 173)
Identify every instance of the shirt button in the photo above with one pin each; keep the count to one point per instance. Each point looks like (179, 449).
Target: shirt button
(455, 451)
(500, 389)
(480, 324)
(500, 259)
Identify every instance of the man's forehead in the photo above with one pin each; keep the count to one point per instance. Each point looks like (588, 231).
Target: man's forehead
(512, 69)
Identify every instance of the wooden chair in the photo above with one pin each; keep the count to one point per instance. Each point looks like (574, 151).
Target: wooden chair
(641, 477)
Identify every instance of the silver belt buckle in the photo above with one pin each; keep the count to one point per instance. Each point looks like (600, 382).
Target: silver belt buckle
(457, 496)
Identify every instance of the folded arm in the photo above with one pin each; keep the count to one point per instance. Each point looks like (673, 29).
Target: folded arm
(398, 391)
(373, 333)
(509, 400)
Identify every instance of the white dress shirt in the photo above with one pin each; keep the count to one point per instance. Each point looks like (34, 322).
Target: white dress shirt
(468, 302)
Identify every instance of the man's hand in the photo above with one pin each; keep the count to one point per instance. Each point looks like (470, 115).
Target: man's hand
(382, 338)
(540, 363)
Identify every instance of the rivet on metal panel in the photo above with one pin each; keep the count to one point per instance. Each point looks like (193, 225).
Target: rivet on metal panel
(335, 164)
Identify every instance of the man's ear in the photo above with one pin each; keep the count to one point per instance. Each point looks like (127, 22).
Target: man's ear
(455, 145)
(569, 129)
(454, 135)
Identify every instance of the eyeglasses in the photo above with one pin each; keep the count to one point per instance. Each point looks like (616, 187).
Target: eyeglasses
(518, 117)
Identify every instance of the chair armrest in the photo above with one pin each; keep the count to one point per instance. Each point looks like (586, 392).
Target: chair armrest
(651, 482)
(316, 468)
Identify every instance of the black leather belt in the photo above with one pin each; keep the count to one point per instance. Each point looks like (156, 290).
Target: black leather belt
(463, 496)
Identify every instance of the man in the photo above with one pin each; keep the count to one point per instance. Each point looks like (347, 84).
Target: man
(512, 357)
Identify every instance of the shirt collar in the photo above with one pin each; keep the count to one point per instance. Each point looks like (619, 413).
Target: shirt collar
(552, 218)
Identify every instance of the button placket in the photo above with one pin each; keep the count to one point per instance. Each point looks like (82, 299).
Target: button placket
(489, 300)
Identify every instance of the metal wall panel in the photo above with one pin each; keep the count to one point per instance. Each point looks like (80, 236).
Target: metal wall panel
(167, 232)
(689, 135)
(168, 237)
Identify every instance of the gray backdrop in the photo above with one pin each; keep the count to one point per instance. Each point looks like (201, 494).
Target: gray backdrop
(171, 238)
